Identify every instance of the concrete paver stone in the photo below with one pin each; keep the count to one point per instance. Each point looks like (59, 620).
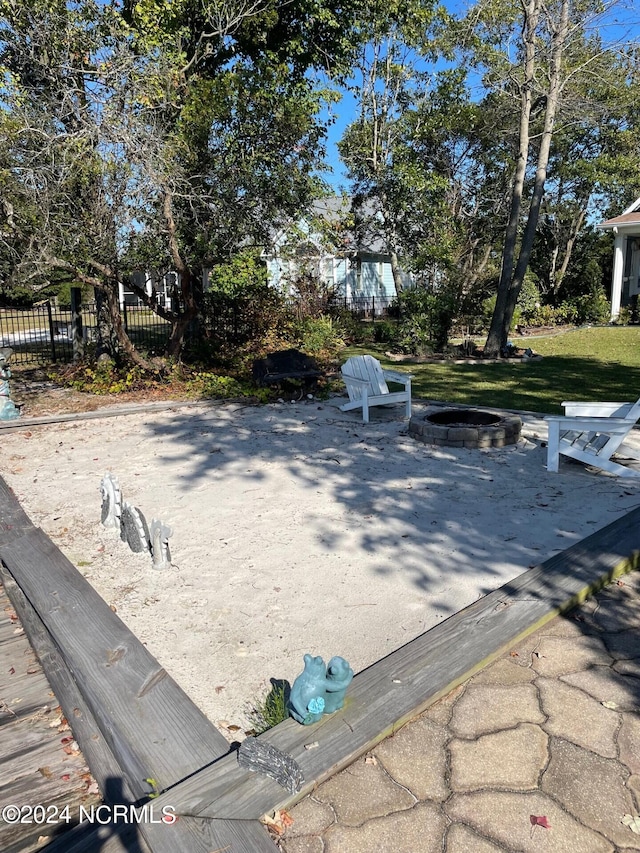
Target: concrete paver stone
(623, 646)
(311, 818)
(619, 613)
(633, 784)
(442, 710)
(461, 839)
(578, 717)
(510, 760)
(486, 708)
(629, 667)
(305, 844)
(607, 685)
(419, 829)
(555, 656)
(629, 742)
(593, 789)
(361, 792)
(505, 818)
(506, 672)
(416, 758)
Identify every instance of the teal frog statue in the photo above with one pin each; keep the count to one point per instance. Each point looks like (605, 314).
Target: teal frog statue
(8, 409)
(320, 689)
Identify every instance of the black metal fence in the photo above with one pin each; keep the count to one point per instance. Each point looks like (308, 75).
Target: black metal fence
(44, 333)
(364, 307)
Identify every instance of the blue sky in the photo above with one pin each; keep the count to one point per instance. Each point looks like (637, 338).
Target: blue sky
(621, 24)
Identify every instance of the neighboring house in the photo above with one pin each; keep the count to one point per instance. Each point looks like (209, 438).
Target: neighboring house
(358, 270)
(625, 281)
(164, 287)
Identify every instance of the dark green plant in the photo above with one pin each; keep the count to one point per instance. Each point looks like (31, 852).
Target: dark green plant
(425, 320)
(385, 332)
(320, 337)
(272, 709)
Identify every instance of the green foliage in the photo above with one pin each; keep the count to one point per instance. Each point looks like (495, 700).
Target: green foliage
(249, 318)
(320, 337)
(385, 332)
(202, 384)
(244, 274)
(425, 320)
(529, 298)
(105, 378)
(270, 710)
(593, 307)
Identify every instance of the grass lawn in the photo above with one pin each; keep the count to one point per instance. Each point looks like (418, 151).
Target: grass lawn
(581, 364)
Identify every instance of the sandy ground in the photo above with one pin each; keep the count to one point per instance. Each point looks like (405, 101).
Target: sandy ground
(297, 528)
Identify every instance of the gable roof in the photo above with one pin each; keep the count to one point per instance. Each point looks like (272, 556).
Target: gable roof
(630, 217)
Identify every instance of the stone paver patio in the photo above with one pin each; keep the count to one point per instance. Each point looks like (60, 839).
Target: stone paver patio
(550, 730)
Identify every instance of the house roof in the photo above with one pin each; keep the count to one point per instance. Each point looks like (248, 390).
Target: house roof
(630, 217)
(366, 237)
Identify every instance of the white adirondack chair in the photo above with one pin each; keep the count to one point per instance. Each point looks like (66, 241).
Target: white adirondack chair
(366, 383)
(593, 433)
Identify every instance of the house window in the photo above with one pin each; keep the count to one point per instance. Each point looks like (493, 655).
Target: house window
(329, 272)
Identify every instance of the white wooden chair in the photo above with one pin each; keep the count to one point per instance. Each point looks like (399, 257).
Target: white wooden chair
(366, 383)
(593, 433)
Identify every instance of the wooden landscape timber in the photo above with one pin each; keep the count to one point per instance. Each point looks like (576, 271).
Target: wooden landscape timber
(37, 762)
(153, 730)
(129, 716)
(394, 690)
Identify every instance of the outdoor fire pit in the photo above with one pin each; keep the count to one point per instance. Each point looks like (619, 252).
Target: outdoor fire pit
(473, 428)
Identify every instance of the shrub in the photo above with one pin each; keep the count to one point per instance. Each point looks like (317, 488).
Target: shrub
(591, 307)
(426, 320)
(385, 332)
(319, 337)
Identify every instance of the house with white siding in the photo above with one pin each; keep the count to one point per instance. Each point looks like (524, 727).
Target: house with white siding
(325, 244)
(625, 280)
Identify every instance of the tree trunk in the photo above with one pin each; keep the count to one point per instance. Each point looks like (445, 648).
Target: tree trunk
(553, 96)
(576, 225)
(124, 342)
(497, 337)
(396, 272)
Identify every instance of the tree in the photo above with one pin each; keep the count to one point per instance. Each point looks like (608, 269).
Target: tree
(392, 192)
(172, 132)
(555, 56)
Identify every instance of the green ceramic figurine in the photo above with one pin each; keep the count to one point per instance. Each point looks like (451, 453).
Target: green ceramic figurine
(8, 409)
(319, 689)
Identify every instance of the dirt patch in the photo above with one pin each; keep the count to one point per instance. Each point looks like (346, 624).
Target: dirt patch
(39, 393)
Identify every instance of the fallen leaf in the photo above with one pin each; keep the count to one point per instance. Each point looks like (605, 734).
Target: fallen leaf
(539, 820)
(12, 671)
(65, 777)
(313, 745)
(514, 654)
(46, 772)
(611, 705)
(283, 817)
(633, 822)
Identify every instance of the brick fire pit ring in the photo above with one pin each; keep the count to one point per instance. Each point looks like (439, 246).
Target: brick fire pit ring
(472, 428)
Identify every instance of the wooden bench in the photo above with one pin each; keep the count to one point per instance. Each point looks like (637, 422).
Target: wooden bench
(285, 365)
